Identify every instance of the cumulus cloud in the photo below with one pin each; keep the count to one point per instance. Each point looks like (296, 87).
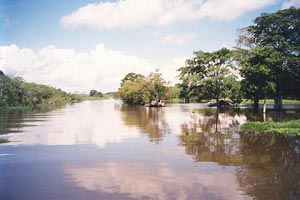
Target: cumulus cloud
(178, 39)
(136, 13)
(100, 68)
(289, 3)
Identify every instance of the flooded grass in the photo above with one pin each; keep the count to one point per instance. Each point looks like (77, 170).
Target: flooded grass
(287, 127)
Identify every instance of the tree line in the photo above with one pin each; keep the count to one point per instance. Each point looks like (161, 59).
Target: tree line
(15, 92)
(265, 64)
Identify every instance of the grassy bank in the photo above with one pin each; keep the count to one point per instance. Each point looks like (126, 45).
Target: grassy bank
(271, 101)
(288, 127)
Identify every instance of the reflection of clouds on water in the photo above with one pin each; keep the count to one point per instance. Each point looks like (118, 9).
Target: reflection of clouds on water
(102, 122)
(211, 137)
(88, 122)
(223, 122)
(141, 181)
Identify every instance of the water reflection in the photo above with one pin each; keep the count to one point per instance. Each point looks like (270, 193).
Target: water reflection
(151, 121)
(93, 122)
(268, 165)
(156, 181)
(271, 166)
(200, 153)
(213, 138)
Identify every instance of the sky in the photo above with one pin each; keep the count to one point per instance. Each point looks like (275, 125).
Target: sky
(88, 44)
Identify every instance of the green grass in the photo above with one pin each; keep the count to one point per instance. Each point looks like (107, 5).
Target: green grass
(271, 101)
(288, 127)
(174, 101)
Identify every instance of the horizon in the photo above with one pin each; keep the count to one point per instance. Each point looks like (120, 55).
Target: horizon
(84, 45)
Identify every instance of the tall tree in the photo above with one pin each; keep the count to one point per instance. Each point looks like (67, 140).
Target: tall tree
(208, 73)
(257, 71)
(281, 31)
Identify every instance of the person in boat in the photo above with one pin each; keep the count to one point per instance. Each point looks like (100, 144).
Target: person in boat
(153, 102)
(160, 102)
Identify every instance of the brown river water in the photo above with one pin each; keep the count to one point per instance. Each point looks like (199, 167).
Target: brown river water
(104, 150)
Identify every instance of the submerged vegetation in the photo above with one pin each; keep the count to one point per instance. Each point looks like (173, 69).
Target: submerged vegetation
(287, 127)
(17, 93)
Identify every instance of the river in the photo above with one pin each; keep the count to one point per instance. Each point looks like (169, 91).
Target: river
(104, 150)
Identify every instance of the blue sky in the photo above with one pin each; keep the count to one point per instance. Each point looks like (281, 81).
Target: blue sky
(131, 35)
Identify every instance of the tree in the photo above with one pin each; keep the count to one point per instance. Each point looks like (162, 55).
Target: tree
(257, 71)
(132, 77)
(135, 92)
(281, 31)
(93, 93)
(208, 73)
(157, 85)
(137, 89)
(173, 92)
(235, 93)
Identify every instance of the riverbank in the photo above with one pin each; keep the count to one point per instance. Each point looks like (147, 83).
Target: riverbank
(287, 127)
(51, 103)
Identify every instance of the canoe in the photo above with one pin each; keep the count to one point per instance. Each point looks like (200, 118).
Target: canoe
(155, 105)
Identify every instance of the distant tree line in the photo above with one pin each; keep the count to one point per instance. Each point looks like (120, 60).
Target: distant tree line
(15, 92)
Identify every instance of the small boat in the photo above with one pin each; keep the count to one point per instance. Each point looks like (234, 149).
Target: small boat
(155, 105)
(222, 103)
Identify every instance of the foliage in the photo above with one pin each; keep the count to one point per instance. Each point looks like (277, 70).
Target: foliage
(256, 69)
(207, 75)
(172, 92)
(131, 77)
(278, 32)
(139, 90)
(15, 92)
(235, 93)
(95, 93)
(288, 127)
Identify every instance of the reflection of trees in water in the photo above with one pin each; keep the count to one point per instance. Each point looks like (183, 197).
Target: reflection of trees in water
(271, 166)
(268, 165)
(12, 121)
(211, 120)
(271, 115)
(149, 120)
(213, 137)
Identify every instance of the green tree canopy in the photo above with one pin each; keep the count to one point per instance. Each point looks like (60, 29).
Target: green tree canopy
(137, 89)
(207, 73)
(279, 32)
(258, 73)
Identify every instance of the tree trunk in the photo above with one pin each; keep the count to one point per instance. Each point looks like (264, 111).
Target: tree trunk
(218, 102)
(256, 104)
(278, 101)
(217, 120)
(265, 104)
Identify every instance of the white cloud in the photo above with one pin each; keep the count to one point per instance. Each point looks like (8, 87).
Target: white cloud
(136, 13)
(289, 3)
(178, 39)
(100, 68)
(230, 9)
